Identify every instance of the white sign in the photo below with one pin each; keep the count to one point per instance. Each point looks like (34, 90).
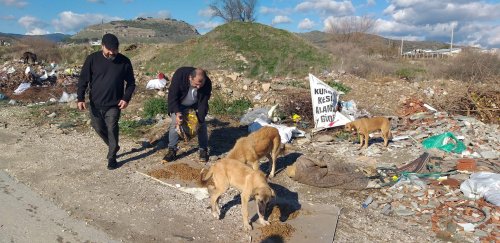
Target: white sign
(324, 102)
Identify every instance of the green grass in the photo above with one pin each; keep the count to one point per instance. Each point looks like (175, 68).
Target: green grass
(130, 128)
(154, 106)
(268, 51)
(339, 86)
(235, 108)
(409, 73)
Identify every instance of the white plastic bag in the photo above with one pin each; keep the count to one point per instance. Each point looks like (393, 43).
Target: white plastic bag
(22, 87)
(65, 97)
(156, 84)
(286, 133)
(260, 113)
(483, 184)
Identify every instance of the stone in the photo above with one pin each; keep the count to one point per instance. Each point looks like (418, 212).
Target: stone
(266, 87)
(245, 87)
(479, 233)
(161, 93)
(489, 154)
(325, 138)
(12, 102)
(52, 100)
(247, 81)
(52, 115)
(303, 141)
(404, 212)
(418, 116)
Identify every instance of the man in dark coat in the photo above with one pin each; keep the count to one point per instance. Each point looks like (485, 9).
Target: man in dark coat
(105, 73)
(191, 88)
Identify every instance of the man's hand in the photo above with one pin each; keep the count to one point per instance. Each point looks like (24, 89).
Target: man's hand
(122, 104)
(178, 118)
(81, 106)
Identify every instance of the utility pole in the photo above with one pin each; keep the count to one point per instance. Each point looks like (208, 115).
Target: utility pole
(401, 46)
(451, 43)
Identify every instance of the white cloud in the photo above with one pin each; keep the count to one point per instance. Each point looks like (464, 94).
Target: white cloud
(371, 3)
(37, 31)
(266, 10)
(421, 12)
(205, 26)
(33, 25)
(8, 17)
(69, 21)
(96, 1)
(281, 19)
(306, 24)
(475, 22)
(327, 7)
(163, 14)
(14, 3)
(206, 12)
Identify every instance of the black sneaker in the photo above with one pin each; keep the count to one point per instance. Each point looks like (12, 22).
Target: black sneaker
(170, 156)
(112, 164)
(203, 155)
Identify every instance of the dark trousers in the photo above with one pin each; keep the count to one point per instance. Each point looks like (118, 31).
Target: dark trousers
(105, 123)
(173, 136)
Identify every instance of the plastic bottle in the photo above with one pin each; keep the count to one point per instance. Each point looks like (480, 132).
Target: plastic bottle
(367, 202)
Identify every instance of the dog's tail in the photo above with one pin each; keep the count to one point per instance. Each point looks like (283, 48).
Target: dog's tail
(205, 176)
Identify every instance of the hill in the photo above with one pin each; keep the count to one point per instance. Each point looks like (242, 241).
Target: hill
(251, 48)
(11, 38)
(373, 43)
(141, 30)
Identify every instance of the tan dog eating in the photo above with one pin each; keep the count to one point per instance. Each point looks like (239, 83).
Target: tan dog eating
(264, 142)
(364, 126)
(251, 183)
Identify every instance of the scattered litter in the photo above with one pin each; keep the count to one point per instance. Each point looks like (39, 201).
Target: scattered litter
(286, 133)
(159, 83)
(65, 98)
(22, 87)
(446, 142)
(483, 184)
(430, 108)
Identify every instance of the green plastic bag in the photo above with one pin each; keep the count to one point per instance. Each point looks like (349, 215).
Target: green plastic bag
(446, 142)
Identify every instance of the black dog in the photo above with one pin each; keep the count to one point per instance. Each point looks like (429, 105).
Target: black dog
(29, 56)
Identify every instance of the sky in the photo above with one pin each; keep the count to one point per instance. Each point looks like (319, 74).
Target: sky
(474, 22)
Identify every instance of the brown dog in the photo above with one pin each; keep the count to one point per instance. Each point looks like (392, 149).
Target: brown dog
(364, 126)
(251, 183)
(264, 142)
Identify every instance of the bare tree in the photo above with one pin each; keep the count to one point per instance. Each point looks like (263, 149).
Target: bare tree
(234, 10)
(349, 27)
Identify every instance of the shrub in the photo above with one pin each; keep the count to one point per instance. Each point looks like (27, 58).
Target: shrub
(220, 106)
(409, 73)
(154, 106)
(339, 86)
(471, 65)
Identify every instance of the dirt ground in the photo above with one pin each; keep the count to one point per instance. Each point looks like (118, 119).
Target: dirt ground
(69, 169)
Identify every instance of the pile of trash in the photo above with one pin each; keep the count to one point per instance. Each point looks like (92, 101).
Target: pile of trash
(458, 209)
(18, 79)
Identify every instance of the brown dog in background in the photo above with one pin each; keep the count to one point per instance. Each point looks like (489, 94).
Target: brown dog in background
(364, 126)
(264, 142)
(251, 183)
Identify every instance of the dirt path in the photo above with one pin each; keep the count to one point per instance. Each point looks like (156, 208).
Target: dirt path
(26, 217)
(69, 170)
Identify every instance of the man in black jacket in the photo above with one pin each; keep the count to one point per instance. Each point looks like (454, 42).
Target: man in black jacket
(190, 89)
(105, 72)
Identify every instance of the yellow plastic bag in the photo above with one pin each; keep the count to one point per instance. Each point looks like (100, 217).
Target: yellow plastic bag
(188, 128)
